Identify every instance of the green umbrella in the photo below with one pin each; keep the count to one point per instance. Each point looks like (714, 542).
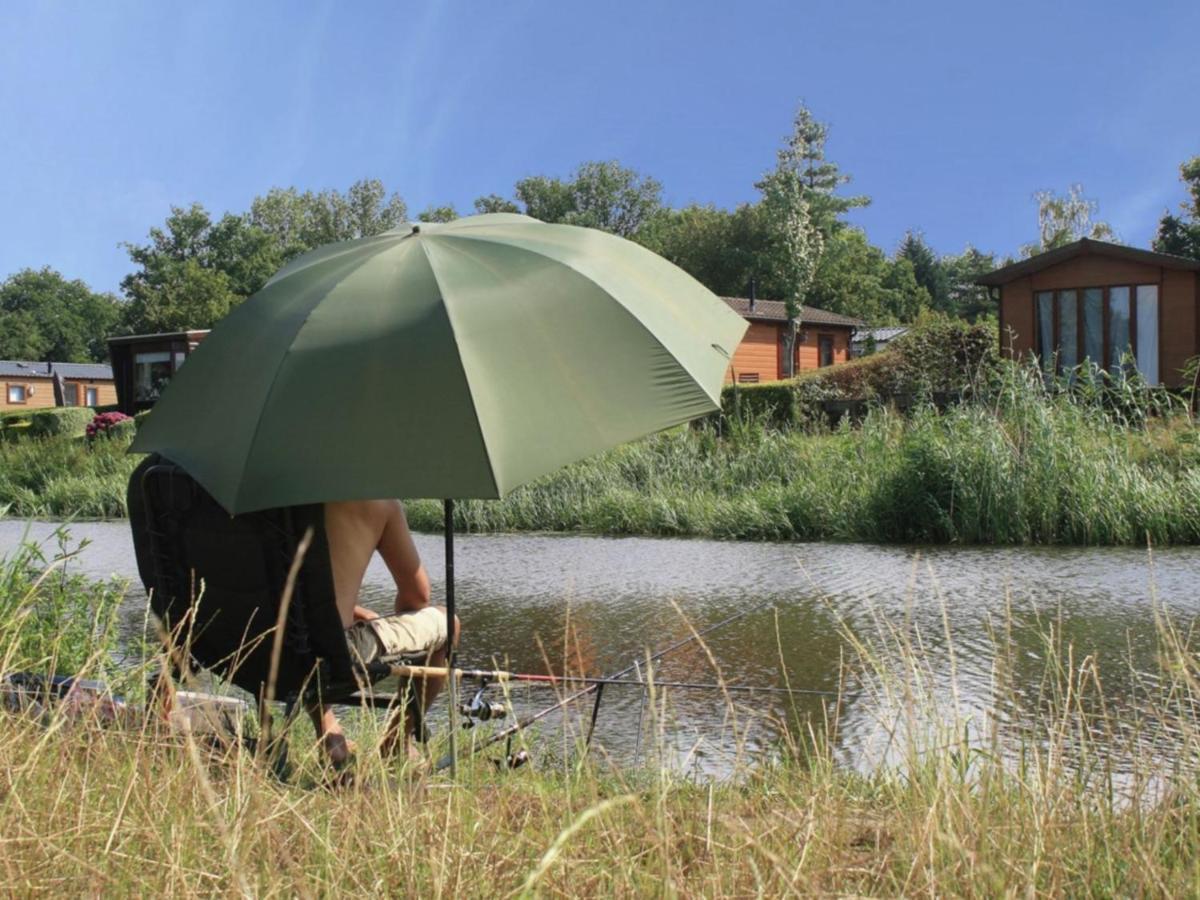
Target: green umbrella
(442, 360)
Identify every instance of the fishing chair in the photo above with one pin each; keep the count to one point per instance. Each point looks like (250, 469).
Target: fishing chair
(217, 584)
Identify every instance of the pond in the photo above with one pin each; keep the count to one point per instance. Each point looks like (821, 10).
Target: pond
(605, 602)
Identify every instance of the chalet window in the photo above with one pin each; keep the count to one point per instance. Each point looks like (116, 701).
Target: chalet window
(1147, 332)
(748, 378)
(825, 350)
(17, 394)
(71, 394)
(93, 397)
(151, 372)
(1100, 325)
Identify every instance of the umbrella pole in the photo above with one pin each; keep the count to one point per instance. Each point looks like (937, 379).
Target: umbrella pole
(448, 509)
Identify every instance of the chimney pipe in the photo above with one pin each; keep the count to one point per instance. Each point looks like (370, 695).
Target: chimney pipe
(751, 295)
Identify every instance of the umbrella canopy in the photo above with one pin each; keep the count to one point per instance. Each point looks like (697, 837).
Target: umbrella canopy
(442, 360)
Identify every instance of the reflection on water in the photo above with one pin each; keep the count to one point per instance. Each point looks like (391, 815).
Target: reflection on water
(603, 603)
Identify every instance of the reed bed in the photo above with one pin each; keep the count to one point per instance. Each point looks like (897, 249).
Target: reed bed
(1022, 463)
(1062, 801)
(65, 476)
(1027, 463)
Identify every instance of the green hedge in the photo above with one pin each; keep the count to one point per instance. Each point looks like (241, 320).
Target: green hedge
(772, 402)
(56, 420)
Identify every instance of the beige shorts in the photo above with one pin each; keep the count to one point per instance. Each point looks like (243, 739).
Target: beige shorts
(418, 633)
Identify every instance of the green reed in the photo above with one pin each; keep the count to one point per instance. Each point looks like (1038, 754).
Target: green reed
(1021, 462)
(65, 476)
(1028, 464)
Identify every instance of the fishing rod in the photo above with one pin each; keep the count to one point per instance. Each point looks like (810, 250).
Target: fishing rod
(501, 676)
(523, 723)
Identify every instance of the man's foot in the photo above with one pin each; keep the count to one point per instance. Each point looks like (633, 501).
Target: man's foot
(339, 750)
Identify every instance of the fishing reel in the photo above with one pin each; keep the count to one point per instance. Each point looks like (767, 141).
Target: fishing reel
(480, 709)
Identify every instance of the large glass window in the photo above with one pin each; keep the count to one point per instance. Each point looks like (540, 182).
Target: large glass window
(17, 394)
(1068, 329)
(1045, 314)
(1091, 318)
(151, 372)
(1118, 327)
(1099, 325)
(1147, 332)
(71, 394)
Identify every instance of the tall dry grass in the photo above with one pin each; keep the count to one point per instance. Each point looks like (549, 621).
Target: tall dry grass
(1064, 794)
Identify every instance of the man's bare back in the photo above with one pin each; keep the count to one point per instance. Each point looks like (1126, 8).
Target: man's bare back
(355, 530)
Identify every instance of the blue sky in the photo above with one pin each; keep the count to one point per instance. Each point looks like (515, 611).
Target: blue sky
(948, 115)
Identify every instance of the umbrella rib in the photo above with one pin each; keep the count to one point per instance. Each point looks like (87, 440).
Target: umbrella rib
(466, 378)
(241, 481)
(299, 265)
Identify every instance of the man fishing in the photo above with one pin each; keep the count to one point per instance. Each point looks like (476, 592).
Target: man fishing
(355, 531)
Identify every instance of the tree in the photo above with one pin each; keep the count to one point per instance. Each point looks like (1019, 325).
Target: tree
(794, 248)
(1067, 218)
(721, 249)
(193, 270)
(494, 203)
(856, 278)
(298, 222)
(1180, 235)
(969, 300)
(803, 155)
(180, 282)
(904, 297)
(603, 195)
(46, 318)
(927, 269)
(445, 213)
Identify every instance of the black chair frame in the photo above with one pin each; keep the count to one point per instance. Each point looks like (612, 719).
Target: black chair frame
(217, 584)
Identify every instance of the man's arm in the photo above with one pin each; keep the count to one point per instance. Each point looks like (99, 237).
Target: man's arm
(400, 553)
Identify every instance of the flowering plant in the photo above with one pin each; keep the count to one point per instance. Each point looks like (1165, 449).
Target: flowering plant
(105, 424)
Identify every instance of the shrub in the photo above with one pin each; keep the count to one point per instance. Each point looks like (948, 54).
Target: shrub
(938, 355)
(59, 420)
(140, 418)
(773, 402)
(109, 423)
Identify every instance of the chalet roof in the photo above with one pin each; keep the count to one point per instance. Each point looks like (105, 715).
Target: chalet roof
(881, 335)
(776, 311)
(194, 334)
(1084, 247)
(20, 368)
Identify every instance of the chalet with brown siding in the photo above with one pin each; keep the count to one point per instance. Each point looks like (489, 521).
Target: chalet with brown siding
(1101, 302)
(30, 385)
(823, 338)
(144, 363)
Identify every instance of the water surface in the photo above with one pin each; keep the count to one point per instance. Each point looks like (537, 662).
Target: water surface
(605, 602)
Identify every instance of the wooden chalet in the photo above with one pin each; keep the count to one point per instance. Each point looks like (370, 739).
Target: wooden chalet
(1101, 302)
(822, 339)
(142, 364)
(30, 385)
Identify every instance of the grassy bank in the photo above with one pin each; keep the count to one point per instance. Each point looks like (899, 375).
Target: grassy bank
(1024, 465)
(1039, 808)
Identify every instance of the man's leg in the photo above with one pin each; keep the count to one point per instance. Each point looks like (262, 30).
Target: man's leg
(427, 691)
(329, 733)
